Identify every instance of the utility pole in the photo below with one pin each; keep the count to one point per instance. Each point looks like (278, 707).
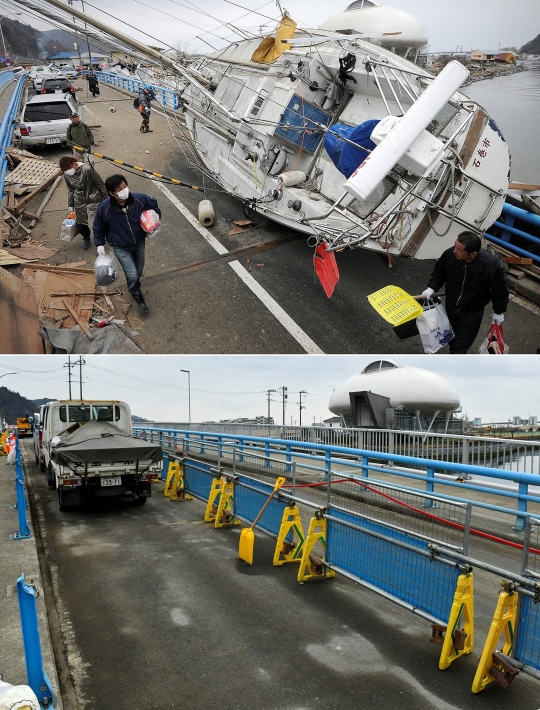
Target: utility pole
(301, 405)
(80, 363)
(189, 393)
(69, 365)
(284, 397)
(268, 399)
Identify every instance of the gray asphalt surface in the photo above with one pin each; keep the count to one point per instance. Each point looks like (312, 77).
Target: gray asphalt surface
(210, 309)
(151, 608)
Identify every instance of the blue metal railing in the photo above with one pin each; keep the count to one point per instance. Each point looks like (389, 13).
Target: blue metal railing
(8, 126)
(166, 97)
(38, 680)
(24, 530)
(6, 76)
(326, 457)
(509, 215)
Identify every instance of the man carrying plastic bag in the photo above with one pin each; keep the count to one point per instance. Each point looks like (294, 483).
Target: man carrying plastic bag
(434, 327)
(473, 278)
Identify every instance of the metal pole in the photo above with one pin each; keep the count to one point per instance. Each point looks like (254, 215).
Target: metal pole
(301, 407)
(3, 40)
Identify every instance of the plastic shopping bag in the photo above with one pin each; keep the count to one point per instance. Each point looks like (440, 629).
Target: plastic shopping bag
(150, 222)
(105, 270)
(434, 328)
(493, 343)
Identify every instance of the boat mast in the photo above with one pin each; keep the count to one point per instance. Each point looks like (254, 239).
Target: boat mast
(140, 47)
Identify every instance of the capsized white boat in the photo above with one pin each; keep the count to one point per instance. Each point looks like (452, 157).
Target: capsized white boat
(343, 139)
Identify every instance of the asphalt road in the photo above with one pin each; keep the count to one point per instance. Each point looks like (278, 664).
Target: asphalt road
(210, 307)
(151, 608)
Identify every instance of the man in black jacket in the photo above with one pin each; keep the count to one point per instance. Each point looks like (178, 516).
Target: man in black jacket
(473, 278)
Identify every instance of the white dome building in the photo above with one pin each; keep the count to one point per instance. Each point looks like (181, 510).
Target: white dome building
(372, 398)
(368, 16)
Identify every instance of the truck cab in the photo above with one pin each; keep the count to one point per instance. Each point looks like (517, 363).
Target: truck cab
(24, 426)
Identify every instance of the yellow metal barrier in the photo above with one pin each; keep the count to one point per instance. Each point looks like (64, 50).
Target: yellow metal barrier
(289, 551)
(174, 484)
(459, 632)
(504, 620)
(311, 564)
(3, 444)
(220, 512)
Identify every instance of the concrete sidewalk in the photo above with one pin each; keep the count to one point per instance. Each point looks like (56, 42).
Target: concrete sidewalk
(16, 557)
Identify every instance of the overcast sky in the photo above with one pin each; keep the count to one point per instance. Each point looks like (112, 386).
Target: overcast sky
(228, 386)
(468, 23)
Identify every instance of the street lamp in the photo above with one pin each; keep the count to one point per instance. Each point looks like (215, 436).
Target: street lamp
(9, 373)
(189, 393)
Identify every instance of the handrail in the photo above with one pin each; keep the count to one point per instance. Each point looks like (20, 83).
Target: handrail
(166, 97)
(366, 461)
(8, 126)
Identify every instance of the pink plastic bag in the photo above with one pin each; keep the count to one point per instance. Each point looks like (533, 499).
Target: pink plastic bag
(150, 222)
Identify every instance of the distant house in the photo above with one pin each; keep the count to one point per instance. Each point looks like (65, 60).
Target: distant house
(479, 55)
(508, 57)
(333, 422)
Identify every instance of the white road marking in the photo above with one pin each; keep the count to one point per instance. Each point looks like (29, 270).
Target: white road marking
(266, 299)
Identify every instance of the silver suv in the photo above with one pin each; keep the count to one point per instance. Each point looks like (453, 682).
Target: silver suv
(45, 119)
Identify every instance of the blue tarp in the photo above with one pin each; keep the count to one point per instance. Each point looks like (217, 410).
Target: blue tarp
(347, 157)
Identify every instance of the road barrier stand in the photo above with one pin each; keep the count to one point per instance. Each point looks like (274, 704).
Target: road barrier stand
(312, 565)
(37, 679)
(491, 668)
(174, 483)
(290, 541)
(457, 637)
(24, 530)
(220, 505)
(4, 446)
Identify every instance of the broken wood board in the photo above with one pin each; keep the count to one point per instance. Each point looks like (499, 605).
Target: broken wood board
(32, 172)
(65, 268)
(51, 308)
(46, 199)
(19, 317)
(11, 258)
(80, 322)
(243, 225)
(31, 251)
(28, 198)
(18, 154)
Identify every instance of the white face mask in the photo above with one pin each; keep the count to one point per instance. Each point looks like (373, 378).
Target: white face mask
(71, 171)
(123, 194)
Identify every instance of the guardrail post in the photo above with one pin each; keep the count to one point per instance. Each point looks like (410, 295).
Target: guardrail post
(390, 443)
(24, 531)
(161, 439)
(288, 458)
(240, 449)
(523, 490)
(365, 466)
(201, 444)
(430, 486)
(38, 680)
(187, 441)
(327, 464)
(220, 448)
(465, 451)
(267, 454)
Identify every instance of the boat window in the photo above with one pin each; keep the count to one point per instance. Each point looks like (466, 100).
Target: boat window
(442, 119)
(363, 208)
(47, 112)
(360, 5)
(379, 365)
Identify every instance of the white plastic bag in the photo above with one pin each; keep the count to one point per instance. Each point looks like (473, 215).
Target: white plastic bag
(434, 328)
(150, 222)
(11, 456)
(493, 343)
(105, 270)
(17, 697)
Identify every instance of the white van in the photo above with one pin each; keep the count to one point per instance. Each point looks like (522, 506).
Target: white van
(45, 119)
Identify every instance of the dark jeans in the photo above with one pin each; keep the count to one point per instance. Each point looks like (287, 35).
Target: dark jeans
(465, 327)
(132, 261)
(84, 230)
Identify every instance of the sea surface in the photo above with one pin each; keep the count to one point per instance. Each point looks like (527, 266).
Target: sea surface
(513, 102)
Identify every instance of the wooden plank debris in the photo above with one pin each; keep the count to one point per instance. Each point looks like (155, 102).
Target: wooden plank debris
(31, 250)
(9, 259)
(83, 325)
(28, 198)
(44, 203)
(18, 316)
(32, 172)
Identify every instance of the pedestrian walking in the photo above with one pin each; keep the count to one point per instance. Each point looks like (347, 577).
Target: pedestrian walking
(86, 190)
(93, 84)
(146, 96)
(473, 278)
(78, 133)
(118, 223)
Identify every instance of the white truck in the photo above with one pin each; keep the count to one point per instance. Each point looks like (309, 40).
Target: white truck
(88, 451)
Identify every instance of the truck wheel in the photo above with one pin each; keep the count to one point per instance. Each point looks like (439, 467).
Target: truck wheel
(51, 480)
(42, 466)
(61, 507)
(36, 457)
(139, 501)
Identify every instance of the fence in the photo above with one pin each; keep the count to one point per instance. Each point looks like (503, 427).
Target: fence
(507, 454)
(509, 215)
(24, 530)
(412, 472)
(166, 97)
(8, 125)
(6, 76)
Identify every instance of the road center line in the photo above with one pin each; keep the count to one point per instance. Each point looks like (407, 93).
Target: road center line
(254, 286)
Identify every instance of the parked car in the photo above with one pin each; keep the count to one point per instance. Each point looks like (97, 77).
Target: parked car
(39, 416)
(45, 119)
(37, 74)
(69, 71)
(17, 71)
(57, 85)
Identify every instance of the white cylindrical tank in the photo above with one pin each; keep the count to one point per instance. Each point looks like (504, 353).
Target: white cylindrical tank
(417, 390)
(367, 16)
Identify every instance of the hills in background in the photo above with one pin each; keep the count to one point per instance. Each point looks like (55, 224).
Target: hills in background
(532, 47)
(13, 405)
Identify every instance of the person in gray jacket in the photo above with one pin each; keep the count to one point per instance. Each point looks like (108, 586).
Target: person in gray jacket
(86, 191)
(78, 133)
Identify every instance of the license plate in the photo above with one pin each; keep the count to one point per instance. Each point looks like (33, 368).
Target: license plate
(58, 91)
(50, 141)
(111, 481)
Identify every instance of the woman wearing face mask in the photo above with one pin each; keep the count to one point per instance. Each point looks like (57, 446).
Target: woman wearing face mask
(86, 190)
(118, 223)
